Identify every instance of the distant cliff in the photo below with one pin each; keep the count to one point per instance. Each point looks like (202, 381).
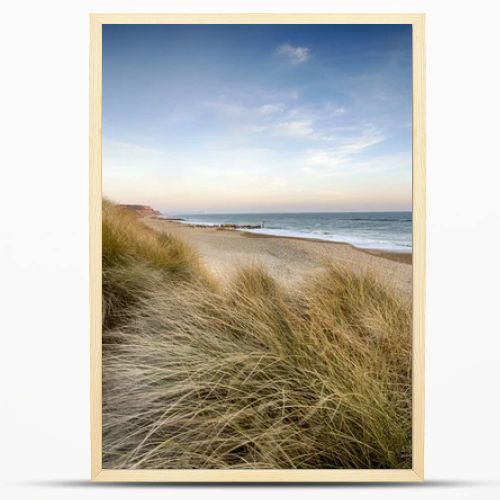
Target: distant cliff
(141, 210)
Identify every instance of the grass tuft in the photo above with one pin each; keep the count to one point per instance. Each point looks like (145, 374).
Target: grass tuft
(253, 375)
(134, 257)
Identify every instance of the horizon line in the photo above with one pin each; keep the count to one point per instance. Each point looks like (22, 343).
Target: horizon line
(286, 212)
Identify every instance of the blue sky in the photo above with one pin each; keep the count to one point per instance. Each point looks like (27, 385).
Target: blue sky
(258, 118)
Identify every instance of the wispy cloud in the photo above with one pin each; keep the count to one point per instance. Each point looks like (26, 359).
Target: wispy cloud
(342, 152)
(271, 109)
(326, 164)
(294, 55)
(368, 137)
(295, 128)
(238, 110)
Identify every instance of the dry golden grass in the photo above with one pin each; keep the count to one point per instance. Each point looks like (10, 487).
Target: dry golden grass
(253, 375)
(130, 252)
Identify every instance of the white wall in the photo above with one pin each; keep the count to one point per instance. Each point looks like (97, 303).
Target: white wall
(44, 445)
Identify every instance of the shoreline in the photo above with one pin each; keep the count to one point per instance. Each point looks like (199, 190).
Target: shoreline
(290, 259)
(402, 256)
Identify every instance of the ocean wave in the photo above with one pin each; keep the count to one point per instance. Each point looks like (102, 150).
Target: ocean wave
(356, 241)
(314, 233)
(376, 220)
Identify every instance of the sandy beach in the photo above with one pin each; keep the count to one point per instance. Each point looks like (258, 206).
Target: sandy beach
(289, 259)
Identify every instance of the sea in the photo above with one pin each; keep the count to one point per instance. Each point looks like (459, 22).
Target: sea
(391, 231)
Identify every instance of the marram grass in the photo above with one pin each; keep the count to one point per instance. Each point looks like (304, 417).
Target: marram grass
(134, 258)
(249, 375)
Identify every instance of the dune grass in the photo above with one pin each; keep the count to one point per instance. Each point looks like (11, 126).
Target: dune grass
(134, 256)
(252, 375)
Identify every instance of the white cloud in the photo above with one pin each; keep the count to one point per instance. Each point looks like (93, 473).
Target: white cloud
(290, 128)
(270, 109)
(295, 128)
(369, 137)
(324, 164)
(295, 55)
(342, 152)
(226, 108)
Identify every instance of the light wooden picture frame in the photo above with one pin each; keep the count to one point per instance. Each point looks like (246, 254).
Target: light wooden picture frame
(416, 473)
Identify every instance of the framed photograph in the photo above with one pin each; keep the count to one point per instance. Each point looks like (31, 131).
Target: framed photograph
(257, 247)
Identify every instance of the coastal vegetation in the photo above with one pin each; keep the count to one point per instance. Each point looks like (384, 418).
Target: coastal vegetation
(251, 373)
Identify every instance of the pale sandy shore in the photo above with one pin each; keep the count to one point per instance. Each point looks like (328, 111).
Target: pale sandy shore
(289, 259)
